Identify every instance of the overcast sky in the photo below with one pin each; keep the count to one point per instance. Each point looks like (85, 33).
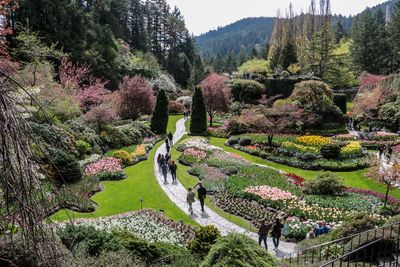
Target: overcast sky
(204, 15)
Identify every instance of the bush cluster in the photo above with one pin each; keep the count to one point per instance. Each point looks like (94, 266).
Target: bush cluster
(325, 184)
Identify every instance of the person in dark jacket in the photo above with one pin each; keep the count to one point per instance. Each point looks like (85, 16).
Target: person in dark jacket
(276, 232)
(173, 169)
(201, 195)
(263, 233)
(170, 138)
(164, 170)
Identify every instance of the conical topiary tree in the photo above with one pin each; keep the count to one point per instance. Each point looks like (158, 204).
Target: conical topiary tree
(198, 120)
(159, 119)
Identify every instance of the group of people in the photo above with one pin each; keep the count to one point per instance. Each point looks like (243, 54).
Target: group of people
(276, 232)
(320, 229)
(201, 195)
(165, 162)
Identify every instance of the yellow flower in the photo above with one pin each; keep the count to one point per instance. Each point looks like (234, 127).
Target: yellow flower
(314, 140)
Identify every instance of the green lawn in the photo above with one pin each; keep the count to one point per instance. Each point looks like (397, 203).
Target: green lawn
(354, 179)
(124, 196)
(350, 106)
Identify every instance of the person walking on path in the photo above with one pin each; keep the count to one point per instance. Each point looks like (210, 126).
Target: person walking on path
(201, 195)
(170, 138)
(159, 160)
(276, 232)
(167, 146)
(190, 200)
(173, 167)
(164, 170)
(263, 233)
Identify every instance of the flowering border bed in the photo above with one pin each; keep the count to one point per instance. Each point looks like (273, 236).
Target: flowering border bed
(147, 224)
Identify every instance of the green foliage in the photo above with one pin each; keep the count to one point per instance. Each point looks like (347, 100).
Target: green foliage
(238, 250)
(248, 91)
(198, 119)
(159, 119)
(288, 55)
(330, 151)
(325, 184)
(83, 147)
(65, 168)
(358, 224)
(390, 112)
(233, 140)
(124, 156)
(87, 241)
(126, 135)
(245, 141)
(340, 100)
(204, 238)
(255, 66)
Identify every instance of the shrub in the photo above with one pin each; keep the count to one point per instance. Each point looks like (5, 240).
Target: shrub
(236, 127)
(204, 238)
(325, 184)
(87, 241)
(255, 66)
(245, 141)
(233, 140)
(125, 157)
(159, 119)
(230, 170)
(359, 223)
(330, 151)
(238, 250)
(248, 91)
(139, 152)
(175, 107)
(65, 168)
(126, 135)
(82, 147)
(198, 119)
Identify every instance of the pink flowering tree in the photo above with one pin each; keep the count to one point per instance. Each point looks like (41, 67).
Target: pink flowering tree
(369, 81)
(101, 115)
(216, 94)
(136, 97)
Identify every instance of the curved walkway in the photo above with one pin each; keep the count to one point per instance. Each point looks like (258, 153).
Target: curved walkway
(177, 193)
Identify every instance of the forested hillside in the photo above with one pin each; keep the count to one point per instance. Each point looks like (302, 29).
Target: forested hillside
(233, 44)
(116, 38)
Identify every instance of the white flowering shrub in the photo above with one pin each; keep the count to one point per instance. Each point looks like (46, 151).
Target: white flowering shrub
(200, 143)
(93, 158)
(165, 82)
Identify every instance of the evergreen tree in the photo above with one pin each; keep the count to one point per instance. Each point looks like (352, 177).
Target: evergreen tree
(288, 55)
(369, 42)
(198, 119)
(159, 119)
(394, 37)
(339, 32)
(198, 72)
(274, 60)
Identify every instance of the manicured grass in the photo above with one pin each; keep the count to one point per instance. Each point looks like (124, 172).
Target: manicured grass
(124, 196)
(188, 180)
(354, 179)
(350, 106)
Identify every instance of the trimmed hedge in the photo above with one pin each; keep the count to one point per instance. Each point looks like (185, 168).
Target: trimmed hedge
(248, 91)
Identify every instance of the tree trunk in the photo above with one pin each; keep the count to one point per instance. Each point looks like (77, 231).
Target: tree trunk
(211, 118)
(270, 137)
(386, 195)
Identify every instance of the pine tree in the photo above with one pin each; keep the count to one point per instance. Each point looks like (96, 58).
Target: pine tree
(198, 72)
(394, 37)
(159, 120)
(288, 55)
(339, 32)
(198, 120)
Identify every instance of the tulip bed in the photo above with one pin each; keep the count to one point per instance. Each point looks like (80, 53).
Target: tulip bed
(306, 152)
(260, 193)
(148, 225)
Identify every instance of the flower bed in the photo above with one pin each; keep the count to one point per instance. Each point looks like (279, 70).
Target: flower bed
(146, 224)
(345, 137)
(300, 148)
(314, 140)
(192, 156)
(212, 178)
(381, 196)
(351, 150)
(385, 136)
(197, 142)
(269, 193)
(105, 169)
